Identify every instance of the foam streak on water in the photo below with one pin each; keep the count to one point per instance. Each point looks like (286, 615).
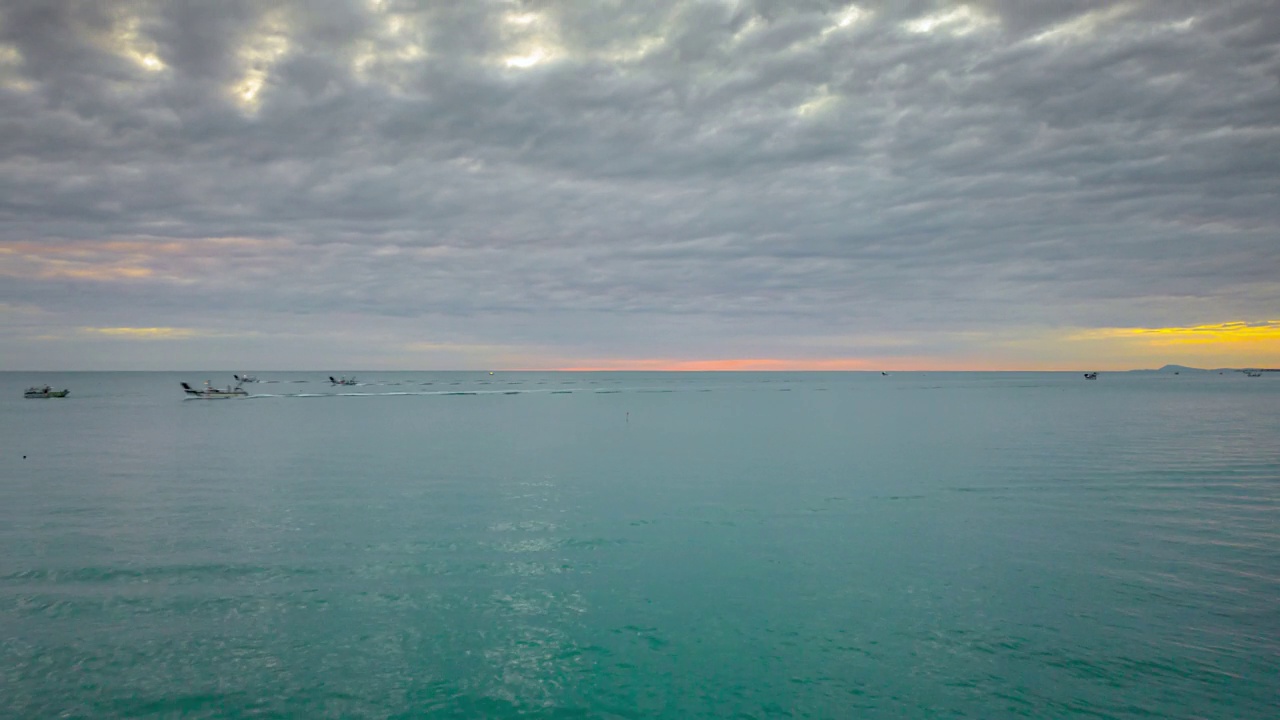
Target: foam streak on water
(642, 545)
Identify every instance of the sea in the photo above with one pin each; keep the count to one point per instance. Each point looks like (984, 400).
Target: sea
(641, 545)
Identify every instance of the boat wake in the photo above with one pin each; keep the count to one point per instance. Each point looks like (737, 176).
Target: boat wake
(417, 393)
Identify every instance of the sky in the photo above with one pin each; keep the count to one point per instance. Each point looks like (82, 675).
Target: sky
(653, 185)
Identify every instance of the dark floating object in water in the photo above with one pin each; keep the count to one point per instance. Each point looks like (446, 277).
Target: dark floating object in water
(212, 393)
(1091, 376)
(44, 392)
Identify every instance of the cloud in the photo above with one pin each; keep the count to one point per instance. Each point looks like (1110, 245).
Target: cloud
(673, 179)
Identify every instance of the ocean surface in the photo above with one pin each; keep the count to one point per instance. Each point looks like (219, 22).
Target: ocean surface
(648, 545)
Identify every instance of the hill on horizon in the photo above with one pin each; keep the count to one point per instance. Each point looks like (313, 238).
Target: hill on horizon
(1181, 368)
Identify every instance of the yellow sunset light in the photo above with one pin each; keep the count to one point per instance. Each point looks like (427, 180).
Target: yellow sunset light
(1228, 332)
(10, 70)
(1083, 26)
(531, 39)
(126, 39)
(527, 18)
(258, 55)
(249, 88)
(1227, 344)
(141, 333)
(526, 61)
(849, 16)
(960, 21)
(817, 103)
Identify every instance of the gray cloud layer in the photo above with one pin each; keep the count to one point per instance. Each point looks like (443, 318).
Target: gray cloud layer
(662, 179)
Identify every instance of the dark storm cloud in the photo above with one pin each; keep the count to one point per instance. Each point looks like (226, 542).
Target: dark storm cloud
(730, 171)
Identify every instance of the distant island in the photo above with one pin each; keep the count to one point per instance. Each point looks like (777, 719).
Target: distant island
(1184, 368)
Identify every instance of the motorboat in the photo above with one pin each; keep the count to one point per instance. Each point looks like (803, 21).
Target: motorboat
(214, 393)
(242, 379)
(1091, 376)
(344, 380)
(44, 392)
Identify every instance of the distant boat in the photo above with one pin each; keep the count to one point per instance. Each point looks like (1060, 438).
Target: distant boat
(1091, 376)
(883, 372)
(242, 379)
(344, 380)
(212, 393)
(44, 392)
(1253, 373)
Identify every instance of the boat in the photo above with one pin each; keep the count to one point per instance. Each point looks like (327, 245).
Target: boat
(242, 379)
(344, 380)
(1091, 376)
(1253, 373)
(213, 393)
(44, 392)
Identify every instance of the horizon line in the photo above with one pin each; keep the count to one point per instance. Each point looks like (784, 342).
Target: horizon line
(661, 370)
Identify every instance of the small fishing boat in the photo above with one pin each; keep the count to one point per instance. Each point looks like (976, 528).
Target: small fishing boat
(1091, 376)
(242, 379)
(212, 393)
(44, 392)
(344, 380)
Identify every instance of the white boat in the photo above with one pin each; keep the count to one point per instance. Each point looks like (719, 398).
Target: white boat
(344, 380)
(242, 379)
(1091, 376)
(212, 393)
(44, 392)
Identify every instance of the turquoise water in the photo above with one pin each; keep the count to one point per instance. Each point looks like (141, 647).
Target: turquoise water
(642, 545)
